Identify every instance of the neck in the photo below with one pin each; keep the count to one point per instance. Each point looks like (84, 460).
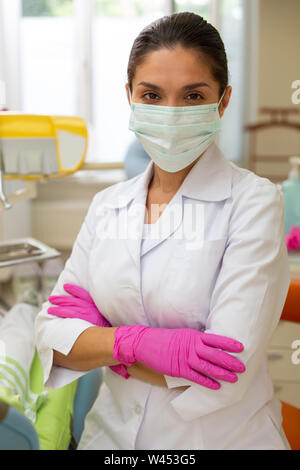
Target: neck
(167, 182)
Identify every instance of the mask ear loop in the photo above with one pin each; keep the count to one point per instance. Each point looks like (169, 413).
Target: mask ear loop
(130, 96)
(220, 100)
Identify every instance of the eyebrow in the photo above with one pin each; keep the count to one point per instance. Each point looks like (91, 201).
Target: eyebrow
(191, 86)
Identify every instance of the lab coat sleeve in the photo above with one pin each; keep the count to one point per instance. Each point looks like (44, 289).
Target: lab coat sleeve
(60, 334)
(249, 293)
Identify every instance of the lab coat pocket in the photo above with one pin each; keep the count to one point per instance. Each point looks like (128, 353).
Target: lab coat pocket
(259, 432)
(275, 431)
(192, 275)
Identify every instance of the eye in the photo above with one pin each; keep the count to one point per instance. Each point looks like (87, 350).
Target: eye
(194, 97)
(151, 96)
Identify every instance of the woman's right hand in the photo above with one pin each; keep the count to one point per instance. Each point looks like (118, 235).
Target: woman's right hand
(79, 304)
(181, 352)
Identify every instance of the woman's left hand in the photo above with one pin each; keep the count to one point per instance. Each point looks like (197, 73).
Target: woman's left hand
(81, 305)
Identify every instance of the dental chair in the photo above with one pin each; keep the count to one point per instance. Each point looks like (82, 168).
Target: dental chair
(18, 433)
(86, 394)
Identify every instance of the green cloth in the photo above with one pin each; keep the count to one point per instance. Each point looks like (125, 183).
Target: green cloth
(15, 389)
(54, 418)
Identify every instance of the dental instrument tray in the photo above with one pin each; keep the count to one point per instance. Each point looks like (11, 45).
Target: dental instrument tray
(24, 250)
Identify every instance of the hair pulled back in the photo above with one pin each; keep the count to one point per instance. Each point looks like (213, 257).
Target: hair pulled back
(188, 30)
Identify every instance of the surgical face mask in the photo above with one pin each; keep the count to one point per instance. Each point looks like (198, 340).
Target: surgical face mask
(175, 136)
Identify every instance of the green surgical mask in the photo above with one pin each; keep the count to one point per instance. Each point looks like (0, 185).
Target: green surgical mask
(174, 136)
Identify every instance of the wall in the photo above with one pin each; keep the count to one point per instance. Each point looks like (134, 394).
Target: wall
(279, 51)
(60, 206)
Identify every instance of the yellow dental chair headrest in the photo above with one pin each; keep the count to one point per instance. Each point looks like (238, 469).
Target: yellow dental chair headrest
(35, 146)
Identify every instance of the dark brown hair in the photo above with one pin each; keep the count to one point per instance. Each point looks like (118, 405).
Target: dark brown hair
(187, 29)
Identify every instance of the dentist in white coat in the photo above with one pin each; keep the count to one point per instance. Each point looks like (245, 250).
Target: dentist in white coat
(193, 242)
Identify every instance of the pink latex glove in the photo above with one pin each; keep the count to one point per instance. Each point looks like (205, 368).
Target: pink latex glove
(181, 352)
(81, 305)
(293, 238)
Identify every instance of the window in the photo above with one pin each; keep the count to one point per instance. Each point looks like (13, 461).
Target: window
(201, 7)
(73, 58)
(232, 27)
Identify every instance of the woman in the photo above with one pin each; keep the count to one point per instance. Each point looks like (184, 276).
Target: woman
(174, 269)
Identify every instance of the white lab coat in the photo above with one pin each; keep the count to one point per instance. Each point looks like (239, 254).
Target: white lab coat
(233, 282)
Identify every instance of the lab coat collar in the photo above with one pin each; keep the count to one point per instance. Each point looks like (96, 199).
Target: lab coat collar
(210, 179)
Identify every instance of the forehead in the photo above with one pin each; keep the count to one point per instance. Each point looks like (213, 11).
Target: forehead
(178, 66)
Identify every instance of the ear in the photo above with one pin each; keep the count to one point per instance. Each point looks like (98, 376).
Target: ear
(128, 93)
(225, 101)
